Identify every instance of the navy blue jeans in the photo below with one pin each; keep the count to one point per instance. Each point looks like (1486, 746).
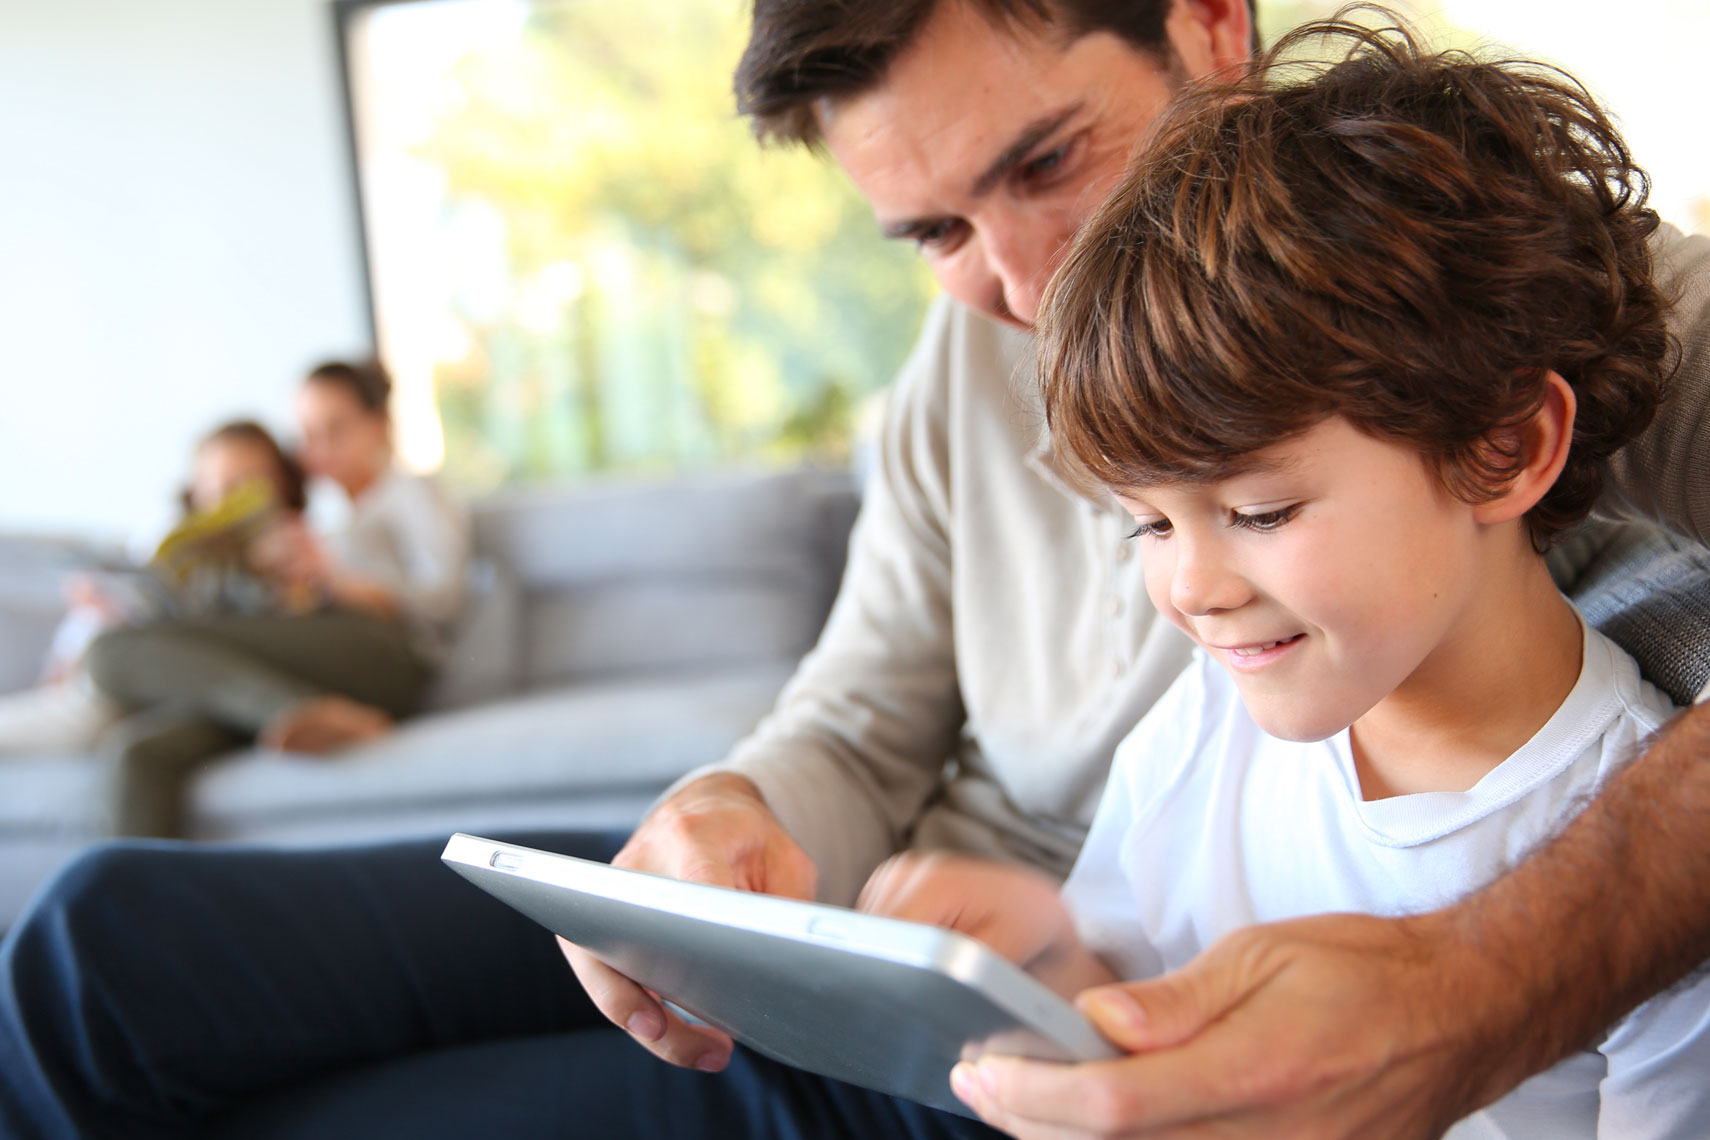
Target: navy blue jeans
(163, 990)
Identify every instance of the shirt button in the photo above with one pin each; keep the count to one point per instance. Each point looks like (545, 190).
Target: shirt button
(1116, 667)
(1116, 607)
(1124, 552)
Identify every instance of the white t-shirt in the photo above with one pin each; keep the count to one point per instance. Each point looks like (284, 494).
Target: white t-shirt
(1209, 824)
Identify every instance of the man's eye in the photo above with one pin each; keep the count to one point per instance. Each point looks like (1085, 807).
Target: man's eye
(1045, 164)
(1158, 529)
(936, 235)
(1266, 520)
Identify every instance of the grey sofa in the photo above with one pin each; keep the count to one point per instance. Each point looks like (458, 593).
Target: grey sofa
(618, 635)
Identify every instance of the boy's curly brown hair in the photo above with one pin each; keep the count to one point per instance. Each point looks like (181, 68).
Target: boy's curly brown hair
(1408, 239)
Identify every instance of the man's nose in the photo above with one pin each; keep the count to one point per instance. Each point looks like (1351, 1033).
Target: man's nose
(1022, 260)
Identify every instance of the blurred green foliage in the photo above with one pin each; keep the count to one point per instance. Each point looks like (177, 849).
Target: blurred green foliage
(670, 294)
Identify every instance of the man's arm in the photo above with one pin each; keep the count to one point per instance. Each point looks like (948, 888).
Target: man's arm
(830, 783)
(1351, 1026)
(860, 736)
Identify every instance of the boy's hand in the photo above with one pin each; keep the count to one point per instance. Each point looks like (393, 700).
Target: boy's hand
(289, 553)
(1016, 911)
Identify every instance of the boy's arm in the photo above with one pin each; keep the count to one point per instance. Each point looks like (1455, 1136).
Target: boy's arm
(1352, 1026)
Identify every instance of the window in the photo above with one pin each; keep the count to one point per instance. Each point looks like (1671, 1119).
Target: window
(1639, 58)
(581, 261)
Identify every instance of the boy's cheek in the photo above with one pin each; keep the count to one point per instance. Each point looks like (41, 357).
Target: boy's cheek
(1158, 591)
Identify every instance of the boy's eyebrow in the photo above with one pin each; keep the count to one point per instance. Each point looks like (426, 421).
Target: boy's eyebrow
(1262, 465)
(1236, 468)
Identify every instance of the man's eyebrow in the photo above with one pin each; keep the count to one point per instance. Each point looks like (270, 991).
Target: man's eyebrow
(1016, 153)
(1013, 156)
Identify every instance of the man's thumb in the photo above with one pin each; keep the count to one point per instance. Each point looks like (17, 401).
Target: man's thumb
(1160, 1013)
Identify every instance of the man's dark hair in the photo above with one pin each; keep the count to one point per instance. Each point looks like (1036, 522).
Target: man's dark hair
(1409, 240)
(368, 382)
(802, 51)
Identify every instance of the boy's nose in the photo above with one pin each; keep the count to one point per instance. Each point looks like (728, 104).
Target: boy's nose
(1203, 582)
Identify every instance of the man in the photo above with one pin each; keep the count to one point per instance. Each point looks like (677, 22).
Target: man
(990, 646)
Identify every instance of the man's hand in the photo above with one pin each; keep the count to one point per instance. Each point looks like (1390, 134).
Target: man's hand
(716, 830)
(1332, 1027)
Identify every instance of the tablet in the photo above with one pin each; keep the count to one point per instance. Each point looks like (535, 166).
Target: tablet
(878, 1002)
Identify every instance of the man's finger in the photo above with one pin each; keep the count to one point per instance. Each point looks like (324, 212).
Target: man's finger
(788, 872)
(965, 1084)
(645, 1018)
(1136, 1094)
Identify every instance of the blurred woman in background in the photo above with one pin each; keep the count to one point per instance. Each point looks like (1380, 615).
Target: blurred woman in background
(379, 597)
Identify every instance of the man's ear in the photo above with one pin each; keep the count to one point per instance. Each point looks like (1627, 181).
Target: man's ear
(1543, 442)
(1210, 35)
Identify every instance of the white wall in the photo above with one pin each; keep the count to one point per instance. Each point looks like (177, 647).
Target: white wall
(178, 241)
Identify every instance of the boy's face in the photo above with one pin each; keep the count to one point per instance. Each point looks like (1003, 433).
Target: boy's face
(224, 465)
(1323, 580)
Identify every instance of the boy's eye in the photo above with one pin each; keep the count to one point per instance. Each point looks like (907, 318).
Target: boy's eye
(1159, 528)
(1265, 520)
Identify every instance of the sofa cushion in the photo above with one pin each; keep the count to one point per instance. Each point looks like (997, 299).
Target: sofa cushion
(482, 662)
(52, 796)
(611, 629)
(721, 569)
(32, 602)
(623, 736)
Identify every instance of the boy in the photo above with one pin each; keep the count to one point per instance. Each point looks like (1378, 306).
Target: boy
(1350, 343)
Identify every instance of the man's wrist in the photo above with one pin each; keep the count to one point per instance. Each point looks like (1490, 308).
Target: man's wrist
(722, 784)
(1489, 997)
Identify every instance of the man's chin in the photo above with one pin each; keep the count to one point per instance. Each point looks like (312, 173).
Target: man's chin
(998, 310)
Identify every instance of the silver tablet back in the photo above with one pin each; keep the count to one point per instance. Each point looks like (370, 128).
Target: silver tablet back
(881, 1003)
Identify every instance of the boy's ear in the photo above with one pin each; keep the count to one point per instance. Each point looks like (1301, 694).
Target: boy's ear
(1543, 442)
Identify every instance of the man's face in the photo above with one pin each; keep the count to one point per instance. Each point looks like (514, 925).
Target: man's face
(1339, 574)
(988, 147)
